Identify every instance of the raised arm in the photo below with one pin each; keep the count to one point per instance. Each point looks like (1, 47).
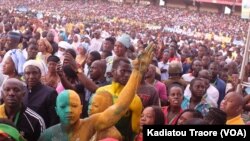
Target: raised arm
(85, 81)
(114, 113)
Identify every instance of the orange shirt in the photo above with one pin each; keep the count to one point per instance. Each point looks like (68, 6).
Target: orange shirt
(235, 121)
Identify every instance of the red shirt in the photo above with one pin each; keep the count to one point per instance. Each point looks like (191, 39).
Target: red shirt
(165, 110)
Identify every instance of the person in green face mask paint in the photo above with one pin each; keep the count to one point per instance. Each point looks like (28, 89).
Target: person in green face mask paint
(68, 108)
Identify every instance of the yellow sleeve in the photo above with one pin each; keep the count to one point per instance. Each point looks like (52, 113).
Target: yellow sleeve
(136, 108)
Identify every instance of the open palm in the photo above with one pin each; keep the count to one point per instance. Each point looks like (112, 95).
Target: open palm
(143, 60)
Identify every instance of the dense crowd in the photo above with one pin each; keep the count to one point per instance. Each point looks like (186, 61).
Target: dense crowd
(100, 71)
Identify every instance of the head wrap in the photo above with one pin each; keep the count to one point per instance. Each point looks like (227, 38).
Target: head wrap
(45, 42)
(11, 131)
(84, 45)
(125, 40)
(34, 63)
(18, 59)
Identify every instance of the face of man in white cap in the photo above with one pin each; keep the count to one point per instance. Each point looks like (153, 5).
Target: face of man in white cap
(32, 73)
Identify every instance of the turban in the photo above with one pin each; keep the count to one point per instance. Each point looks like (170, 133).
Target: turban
(35, 63)
(125, 40)
(64, 44)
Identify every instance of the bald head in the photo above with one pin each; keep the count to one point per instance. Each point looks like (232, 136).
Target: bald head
(101, 63)
(232, 104)
(238, 98)
(13, 92)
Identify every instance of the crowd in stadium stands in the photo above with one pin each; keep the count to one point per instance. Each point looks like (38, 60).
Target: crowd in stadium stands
(100, 71)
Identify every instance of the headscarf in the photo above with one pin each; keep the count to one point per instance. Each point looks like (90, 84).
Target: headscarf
(18, 59)
(76, 44)
(45, 42)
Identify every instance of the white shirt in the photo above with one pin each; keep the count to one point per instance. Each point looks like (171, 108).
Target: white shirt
(212, 94)
(188, 77)
(95, 44)
(165, 75)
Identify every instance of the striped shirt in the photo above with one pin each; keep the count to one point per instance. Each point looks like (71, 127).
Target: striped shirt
(27, 121)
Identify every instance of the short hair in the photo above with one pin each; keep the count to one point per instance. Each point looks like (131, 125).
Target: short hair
(175, 85)
(53, 59)
(111, 40)
(205, 47)
(193, 81)
(215, 116)
(96, 55)
(19, 82)
(71, 52)
(213, 63)
(118, 60)
(44, 34)
(32, 45)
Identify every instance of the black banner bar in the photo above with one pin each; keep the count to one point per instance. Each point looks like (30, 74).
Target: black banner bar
(197, 132)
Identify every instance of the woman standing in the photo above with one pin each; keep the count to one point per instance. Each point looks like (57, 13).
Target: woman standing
(13, 65)
(172, 111)
(82, 54)
(45, 49)
(51, 78)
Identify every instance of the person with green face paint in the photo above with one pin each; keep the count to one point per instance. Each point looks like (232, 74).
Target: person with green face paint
(68, 108)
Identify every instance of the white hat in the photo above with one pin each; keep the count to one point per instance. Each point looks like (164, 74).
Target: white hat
(64, 44)
(35, 63)
(125, 40)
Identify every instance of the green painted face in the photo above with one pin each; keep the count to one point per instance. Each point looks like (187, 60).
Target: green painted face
(68, 107)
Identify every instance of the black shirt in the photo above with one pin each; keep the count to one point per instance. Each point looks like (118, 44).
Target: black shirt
(42, 99)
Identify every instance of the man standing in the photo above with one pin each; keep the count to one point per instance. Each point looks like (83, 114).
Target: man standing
(129, 124)
(28, 122)
(163, 65)
(40, 98)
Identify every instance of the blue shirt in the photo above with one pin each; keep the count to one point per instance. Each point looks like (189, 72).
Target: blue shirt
(221, 86)
(202, 107)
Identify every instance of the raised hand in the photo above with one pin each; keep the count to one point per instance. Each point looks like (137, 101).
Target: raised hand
(69, 60)
(143, 60)
(59, 70)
